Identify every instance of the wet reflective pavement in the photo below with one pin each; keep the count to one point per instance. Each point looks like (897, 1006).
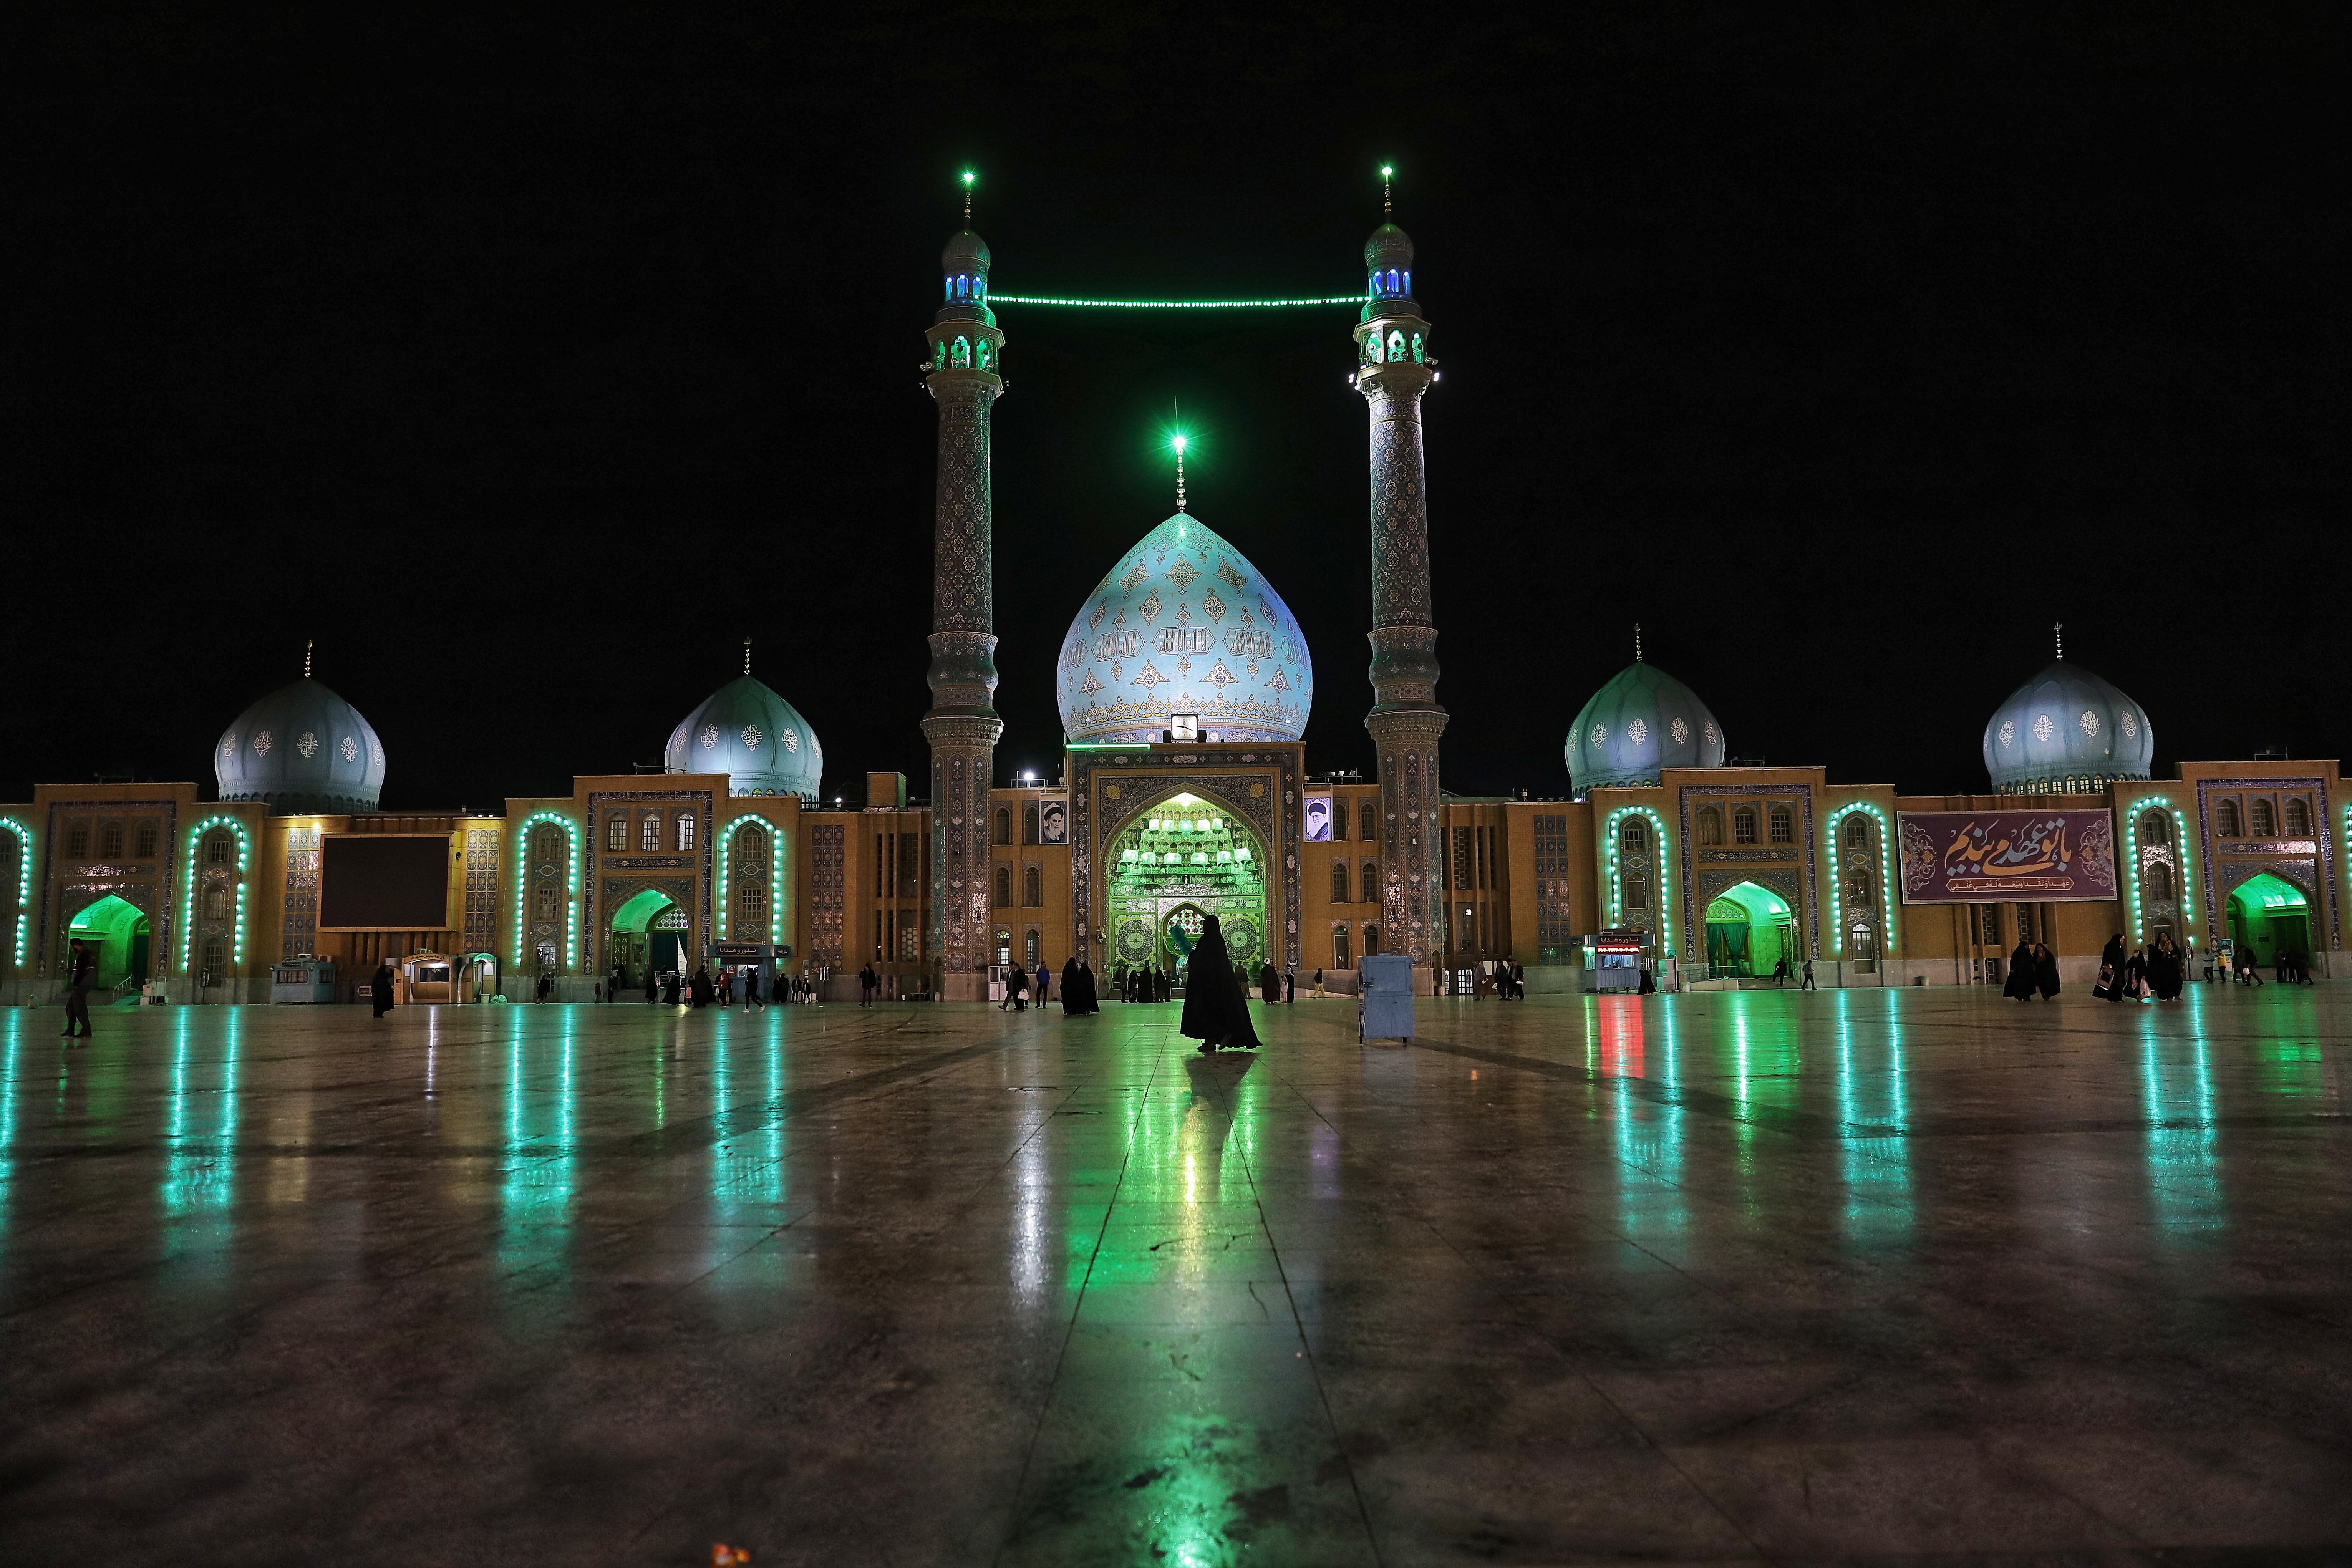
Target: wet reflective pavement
(1887, 1274)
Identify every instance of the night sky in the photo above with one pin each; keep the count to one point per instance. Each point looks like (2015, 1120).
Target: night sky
(531, 367)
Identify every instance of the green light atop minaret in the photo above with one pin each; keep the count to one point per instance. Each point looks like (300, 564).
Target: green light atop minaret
(968, 176)
(1388, 190)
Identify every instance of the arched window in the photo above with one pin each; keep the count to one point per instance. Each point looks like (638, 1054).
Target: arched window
(959, 356)
(984, 353)
(1033, 887)
(2159, 880)
(938, 356)
(650, 832)
(1003, 826)
(979, 287)
(1710, 825)
(1368, 821)
(751, 844)
(1338, 881)
(1396, 347)
(1032, 947)
(1393, 280)
(947, 288)
(2298, 818)
(751, 898)
(1372, 941)
(1743, 825)
(1857, 831)
(1633, 836)
(963, 285)
(1339, 947)
(1416, 348)
(2225, 818)
(1859, 894)
(2155, 827)
(617, 832)
(684, 831)
(220, 848)
(1368, 884)
(1029, 823)
(543, 905)
(216, 961)
(1783, 825)
(1004, 886)
(1637, 890)
(2265, 820)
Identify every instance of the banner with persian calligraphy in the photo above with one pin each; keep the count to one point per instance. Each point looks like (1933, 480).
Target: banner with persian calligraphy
(2005, 856)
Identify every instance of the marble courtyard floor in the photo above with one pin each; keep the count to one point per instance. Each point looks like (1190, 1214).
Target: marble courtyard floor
(1883, 1275)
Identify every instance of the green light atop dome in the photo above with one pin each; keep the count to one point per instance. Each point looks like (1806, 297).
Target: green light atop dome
(1178, 441)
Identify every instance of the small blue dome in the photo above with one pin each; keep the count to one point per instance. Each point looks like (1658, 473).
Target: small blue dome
(754, 737)
(1642, 721)
(2066, 727)
(1185, 624)
(301, 749)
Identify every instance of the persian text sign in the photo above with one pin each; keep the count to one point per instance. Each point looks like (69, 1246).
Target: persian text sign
(2005, 856)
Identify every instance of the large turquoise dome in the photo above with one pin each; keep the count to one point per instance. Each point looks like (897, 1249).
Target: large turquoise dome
(1642, 721)
(753, 736)
(1185, 624)
(2067, 728)
(301, 749)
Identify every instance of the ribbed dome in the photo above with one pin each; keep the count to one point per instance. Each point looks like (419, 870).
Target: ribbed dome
(1185, 624)
(1642, 721)
(965, 252)
(1389, 247)
(2066, 726)
(754, 737)
(301, 749)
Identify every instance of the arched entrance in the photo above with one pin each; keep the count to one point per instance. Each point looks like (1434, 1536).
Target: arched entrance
(1748, 930)
(119, 932)
(649, 932)
(2270, 915)
(1184, 860)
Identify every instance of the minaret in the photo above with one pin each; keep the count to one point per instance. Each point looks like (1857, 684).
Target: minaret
(964, 378)
(1393, 369)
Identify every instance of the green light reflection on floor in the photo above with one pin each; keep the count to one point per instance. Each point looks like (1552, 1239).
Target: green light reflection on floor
(8, 1067)
(1649, 1135)
(200, 1167)
(539, 1160)
(2184, 1176)
(1875, 1165)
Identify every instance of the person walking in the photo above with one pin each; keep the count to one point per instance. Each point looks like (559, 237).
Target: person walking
(2019, 984)
(1781, 971)
(1290, 985)
(620, 980)
(1806, 982)
(1045, 975)
(546, 987)
(2168, 968)
(1269, 983)
(379, 987)
(751, 991)
(1216, 1009)
(1318, 986)
(653, 985)
(1018, 989)
(2111, 970)
(80, 970)
(2045, 973)
(867, 982)
(725, 992)
(1069, 985)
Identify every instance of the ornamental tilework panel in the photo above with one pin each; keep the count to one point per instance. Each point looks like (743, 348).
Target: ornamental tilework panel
(704, 805)
(2221, 882)
(1694, 908)
(302, 922)
(1142, 780)
(962, 598)
(55, 903)
(1554, 922)
(481, 890)
(825, 907)
(1400, 514)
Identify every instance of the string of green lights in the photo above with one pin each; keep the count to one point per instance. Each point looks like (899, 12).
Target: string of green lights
(1174, 304)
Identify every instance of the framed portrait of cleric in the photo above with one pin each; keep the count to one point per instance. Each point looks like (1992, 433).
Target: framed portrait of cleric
(1054, 820)
(1318, 819)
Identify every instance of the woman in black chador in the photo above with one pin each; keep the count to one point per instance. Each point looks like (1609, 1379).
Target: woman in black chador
(2046, 972)
(1214, 1012)
(2019, 984)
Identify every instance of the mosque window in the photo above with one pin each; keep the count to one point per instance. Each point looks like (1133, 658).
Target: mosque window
(1338, 881)
(684, 831)
(546, 956)
(146, 841)
(1368, 884)
(979, 287)
(1393, 280)
(617, 832)
(110, 841)
(1633, 836)
(650, 832)
(1743, 825)
(1462, 857)
(1637, 890)
(938, 356)
(2298, 819)
(751, 844)
(1003, 826)
(1004, 886)
(2226, 820)
(1032, 948)
(1029, 824)
(963, 285)
(1857, 831)
(2265, 819)
(1710, 825)
(1033, 887)
(1396, 347)
(1368, 818)
(1372, 941)
(1339, 947)
(78, 841)
(1988, 924)
(1416, 348)
(751, 899)
(219, 848)
(1858, 891)
(959, 357)
(947, 288)
(1408, 289)
(2155, 827)
(1783, 825)
(2159, 880)
(984, 353)
(216, 961)
(216, 901)
(544, 903)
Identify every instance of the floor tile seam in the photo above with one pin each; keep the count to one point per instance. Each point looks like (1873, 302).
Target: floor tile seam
(1306, 1354)
(1044, 1121)
(1070, 1330)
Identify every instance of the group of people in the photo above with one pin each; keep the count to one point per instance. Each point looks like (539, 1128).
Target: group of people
(2150, 971)
(2032, 972)
(1506, 976)
(2240, 965)
(670, 988)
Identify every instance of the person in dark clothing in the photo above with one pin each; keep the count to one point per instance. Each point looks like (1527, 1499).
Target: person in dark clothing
(2112, 965)
(1069, 984)
(546, 987)
(1216, 1012)
(2133, 982)
(751, 991)
(1089, 1000)
(700, 987)
(653, 985)
(380, 988)
(1269, 983)
(2020, 983)
(1780, 970)
(672, 989)
(1289, 986)
(1807, 984)
(2046, 972)
(2164, 969)
(79, 973)
(620, 982)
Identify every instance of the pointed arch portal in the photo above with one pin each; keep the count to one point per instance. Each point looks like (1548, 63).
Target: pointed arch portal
(1749, 929)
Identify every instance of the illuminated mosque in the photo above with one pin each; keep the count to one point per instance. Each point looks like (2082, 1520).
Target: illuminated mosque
(1185, 689)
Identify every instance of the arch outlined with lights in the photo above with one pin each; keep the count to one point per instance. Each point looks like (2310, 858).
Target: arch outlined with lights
(188, 895)
(775, 875)
(1885, 879)
(24, 885)
(1617, 876)
(2137, 809)
(570, 890)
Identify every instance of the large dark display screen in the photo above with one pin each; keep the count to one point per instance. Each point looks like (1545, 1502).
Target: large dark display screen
(372, 883)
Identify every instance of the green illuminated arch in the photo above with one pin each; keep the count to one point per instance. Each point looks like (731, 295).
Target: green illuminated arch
(571, 886)
(1887, 946)
(188, 895)
(1617, 875)
(115, 925)
(1221, 869)
(24, 883)
(1762, 916)
(775, 874)
(2138, 809)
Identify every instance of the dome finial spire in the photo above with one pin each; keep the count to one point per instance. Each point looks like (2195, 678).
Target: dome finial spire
(747, 656)
(307, 644)
(2058, 631)
(1637, 642)
(1388, 188)
(968, 178)
(1178, 442)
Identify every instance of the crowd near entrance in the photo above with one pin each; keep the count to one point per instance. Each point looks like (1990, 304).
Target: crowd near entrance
(651, 935)
(1749, 931)
(2269, 915)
